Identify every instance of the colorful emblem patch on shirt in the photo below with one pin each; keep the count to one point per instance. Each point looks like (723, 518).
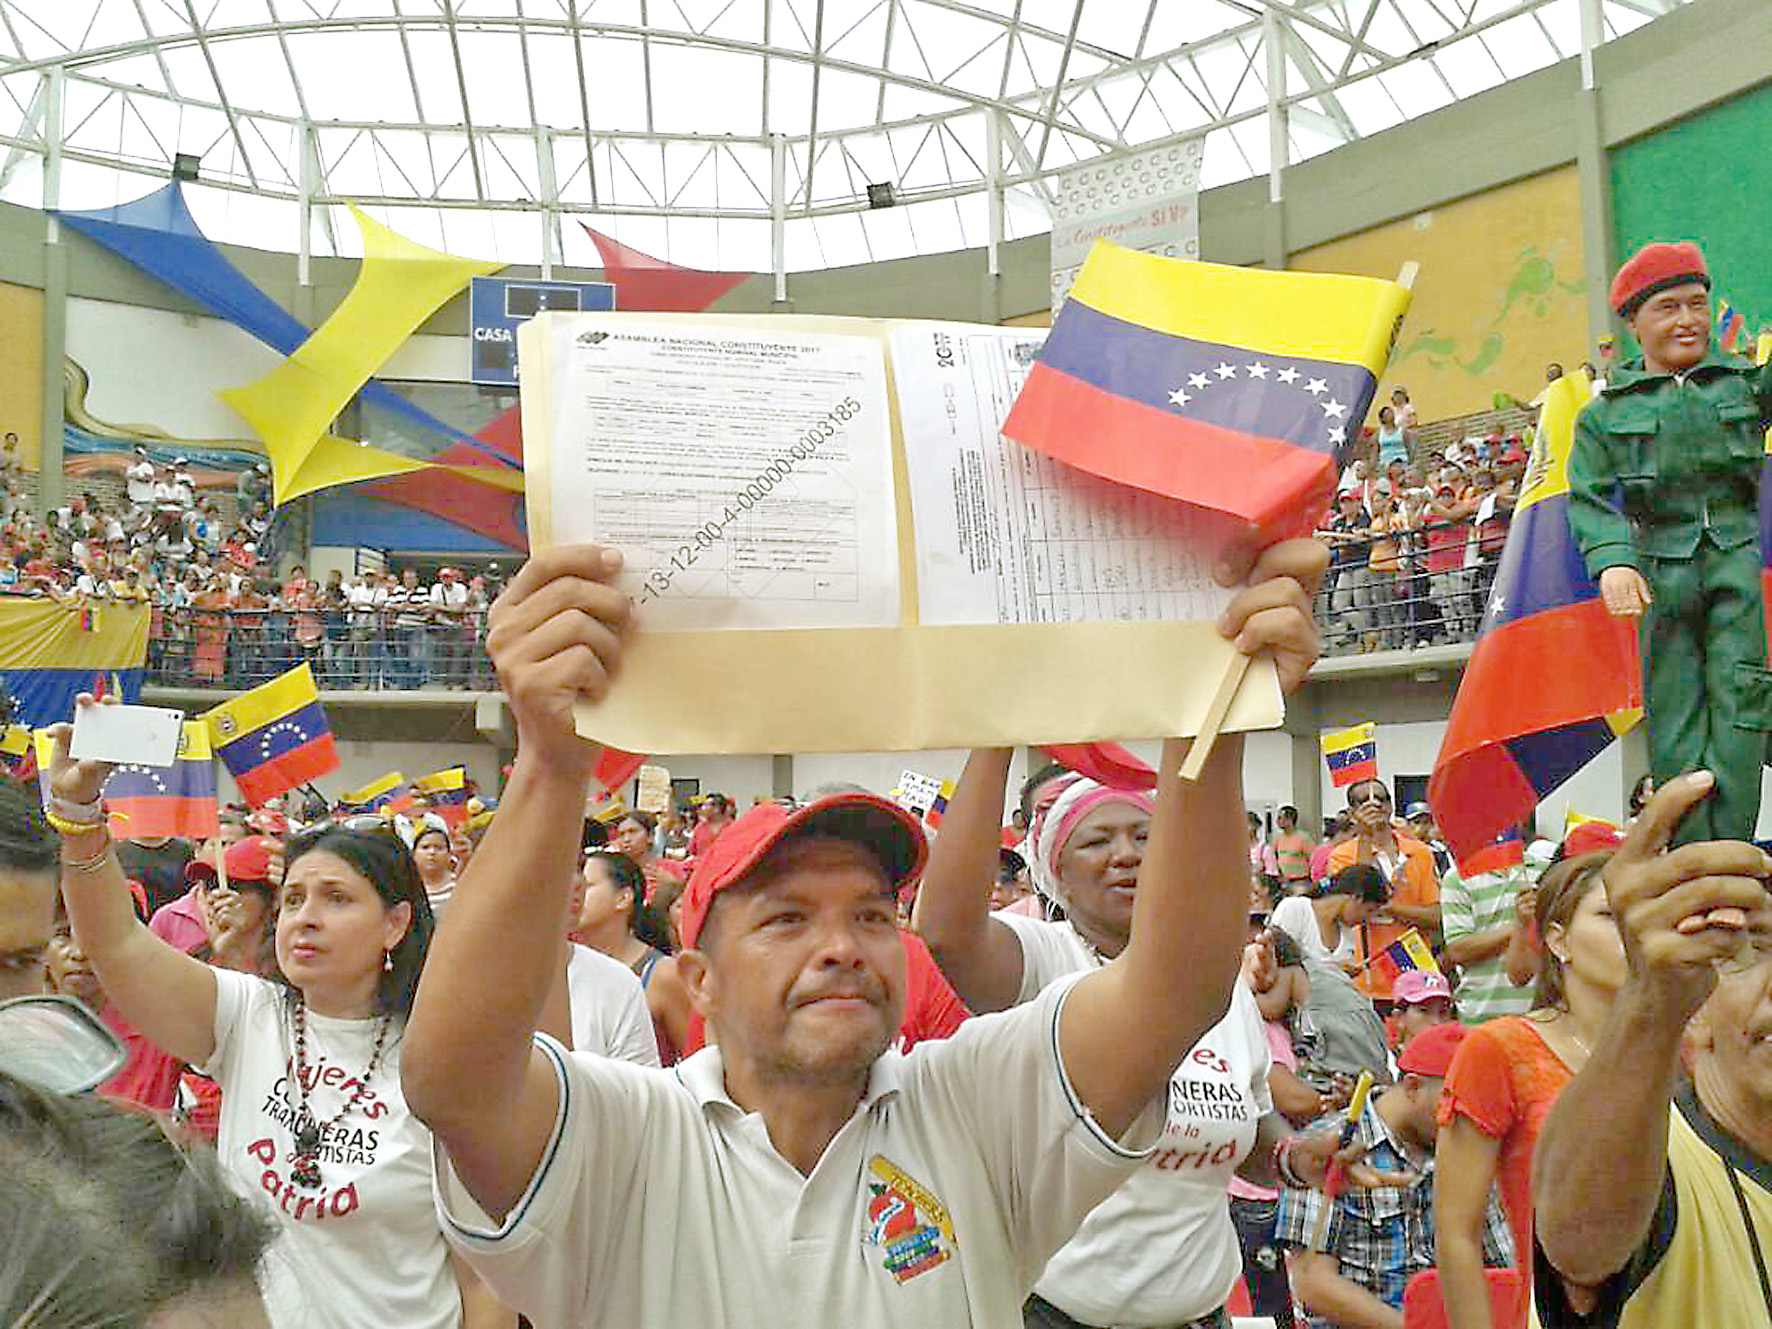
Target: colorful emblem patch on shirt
(906, 1221)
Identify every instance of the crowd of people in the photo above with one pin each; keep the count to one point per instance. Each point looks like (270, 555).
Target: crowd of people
(286, 999)
(1155, 1059)
(223, 616)
(1416, 535)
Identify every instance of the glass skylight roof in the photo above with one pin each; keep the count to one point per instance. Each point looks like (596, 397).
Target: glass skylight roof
(690, 128)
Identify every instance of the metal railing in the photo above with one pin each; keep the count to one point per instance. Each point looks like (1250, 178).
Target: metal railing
(1431, 591)
(1433, 595)
(241, 648)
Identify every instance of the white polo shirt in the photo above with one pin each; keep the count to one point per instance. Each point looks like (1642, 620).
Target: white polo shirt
(967, 1163)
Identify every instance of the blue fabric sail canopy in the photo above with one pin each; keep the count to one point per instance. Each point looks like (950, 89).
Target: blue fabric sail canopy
(158, 234)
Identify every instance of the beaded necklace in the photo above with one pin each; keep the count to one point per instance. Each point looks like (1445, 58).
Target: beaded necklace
(304, 1161)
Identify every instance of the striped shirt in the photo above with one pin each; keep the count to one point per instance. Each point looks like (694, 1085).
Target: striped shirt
(1467, 907)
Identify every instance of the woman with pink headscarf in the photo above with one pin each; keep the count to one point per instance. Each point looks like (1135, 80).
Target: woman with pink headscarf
(1162, 1250)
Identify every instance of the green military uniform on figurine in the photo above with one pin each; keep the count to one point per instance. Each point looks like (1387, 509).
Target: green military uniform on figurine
(1664, 504)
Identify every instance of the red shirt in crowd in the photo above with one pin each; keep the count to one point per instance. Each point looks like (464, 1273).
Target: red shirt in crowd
(1504, 1080)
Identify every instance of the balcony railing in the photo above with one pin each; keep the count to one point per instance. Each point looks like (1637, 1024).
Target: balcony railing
(1434, 595)
(241, 648)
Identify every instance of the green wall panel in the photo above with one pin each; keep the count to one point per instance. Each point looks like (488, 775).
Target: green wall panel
(1706, 178)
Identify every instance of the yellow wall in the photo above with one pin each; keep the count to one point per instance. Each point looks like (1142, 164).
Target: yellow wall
(1498, 297)
(21, 370)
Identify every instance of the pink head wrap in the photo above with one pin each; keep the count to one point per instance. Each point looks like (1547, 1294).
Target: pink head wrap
(1055, 822)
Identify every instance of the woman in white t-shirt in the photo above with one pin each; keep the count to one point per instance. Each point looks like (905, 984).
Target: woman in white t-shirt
(1161, 1250)
(313, 1122)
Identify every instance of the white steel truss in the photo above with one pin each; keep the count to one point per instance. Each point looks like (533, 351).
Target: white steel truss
(719, 132)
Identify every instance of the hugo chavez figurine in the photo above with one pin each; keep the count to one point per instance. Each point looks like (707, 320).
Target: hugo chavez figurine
(1664, 504)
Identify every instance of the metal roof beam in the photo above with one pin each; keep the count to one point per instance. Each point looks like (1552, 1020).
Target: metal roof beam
(221, 91)
(506, 23)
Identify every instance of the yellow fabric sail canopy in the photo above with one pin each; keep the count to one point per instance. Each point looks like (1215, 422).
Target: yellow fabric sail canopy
(400, 284)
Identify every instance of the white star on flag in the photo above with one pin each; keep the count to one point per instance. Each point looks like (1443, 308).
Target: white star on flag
(1333, 407)
(1316, 387)
(1180, 397)
(1258, 370)
(1287, 375)
(1497, 605)
(1226, 371)
(1338, 435)
(264, 742)
(1197, 380)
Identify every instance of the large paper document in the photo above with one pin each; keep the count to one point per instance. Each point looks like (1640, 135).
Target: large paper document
(830, 546)
(748, 482)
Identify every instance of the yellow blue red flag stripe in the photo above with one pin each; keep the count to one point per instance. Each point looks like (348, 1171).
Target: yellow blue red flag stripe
(1230, 388)
(173, 800)
(47, 658)
(1508, 745)
(1351, 754)
(377, 794)
(274, 738)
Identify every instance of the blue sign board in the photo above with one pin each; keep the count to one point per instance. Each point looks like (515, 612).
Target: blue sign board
(496, 305)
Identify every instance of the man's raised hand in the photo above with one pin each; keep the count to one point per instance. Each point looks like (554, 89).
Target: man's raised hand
(1682, 911)
(555, 635)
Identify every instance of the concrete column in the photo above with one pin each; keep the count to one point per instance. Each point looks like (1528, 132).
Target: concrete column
(1594, 176)
(51, 483)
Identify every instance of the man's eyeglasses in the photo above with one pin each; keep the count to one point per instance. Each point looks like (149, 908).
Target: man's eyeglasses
(1374, 796)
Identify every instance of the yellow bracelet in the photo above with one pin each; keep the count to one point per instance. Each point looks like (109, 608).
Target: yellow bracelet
(67, 827)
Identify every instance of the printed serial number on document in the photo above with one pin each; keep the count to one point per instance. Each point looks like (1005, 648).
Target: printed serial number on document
(745, 500)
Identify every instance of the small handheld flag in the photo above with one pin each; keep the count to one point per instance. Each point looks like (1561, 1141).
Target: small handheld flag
(1351, 754)
(447, 792)
(377, 795)
(274, 738)
(1409, 951)
(175, 800)
(1230, 388)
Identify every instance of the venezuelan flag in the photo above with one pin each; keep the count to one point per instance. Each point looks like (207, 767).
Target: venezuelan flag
(1229, 388)
(1509, 851)
(447, 792)
(1351, 754)
(1553, 678)
(1407, 952)
(1105, 763)
(176, 800)
(47, 658)
(378, 795)
(938, 806)
(274, 738)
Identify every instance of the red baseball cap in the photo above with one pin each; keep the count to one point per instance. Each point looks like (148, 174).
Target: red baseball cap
(246, 860)
(894, 836)
(1656, 267)
(1430, 1052)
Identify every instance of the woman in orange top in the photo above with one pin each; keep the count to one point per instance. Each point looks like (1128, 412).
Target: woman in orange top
(1505, 1077)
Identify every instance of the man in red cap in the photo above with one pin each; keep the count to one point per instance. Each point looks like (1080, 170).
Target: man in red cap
(1664, 487)
(798, 1172)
